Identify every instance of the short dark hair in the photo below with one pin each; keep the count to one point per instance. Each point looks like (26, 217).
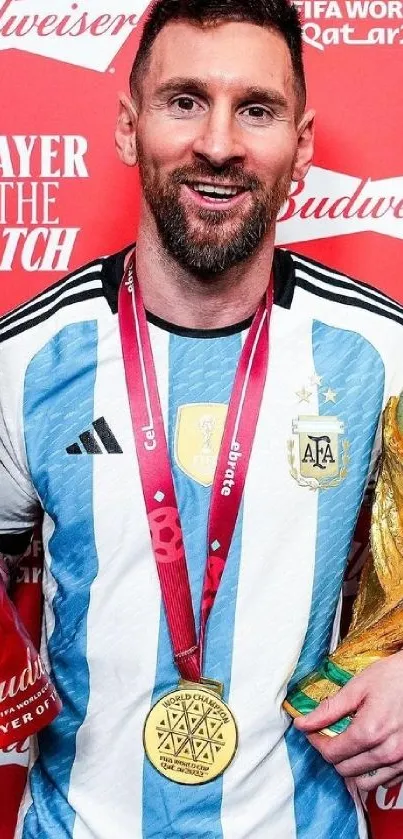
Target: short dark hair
(280, 15)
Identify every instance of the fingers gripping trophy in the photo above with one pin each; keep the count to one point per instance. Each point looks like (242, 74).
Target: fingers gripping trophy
(376, 629)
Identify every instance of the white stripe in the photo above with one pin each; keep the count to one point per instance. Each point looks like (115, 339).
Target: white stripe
(52, 290)
(27, 797)
(69, 292)
(362, 826)
(49, 586)
(106, 785)
(273, 598)
(336, 625)
(353, 285)
(347, 294)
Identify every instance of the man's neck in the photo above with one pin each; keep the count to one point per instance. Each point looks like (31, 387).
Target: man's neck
(177, 296)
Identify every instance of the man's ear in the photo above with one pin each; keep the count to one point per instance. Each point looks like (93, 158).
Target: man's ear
(125, 134)
(304, 154)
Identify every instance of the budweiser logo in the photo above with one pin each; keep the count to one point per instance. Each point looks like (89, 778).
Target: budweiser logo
(70, 32)
(30, 675)
(330, 204)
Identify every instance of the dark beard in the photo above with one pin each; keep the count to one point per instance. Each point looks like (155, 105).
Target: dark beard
(206, 256)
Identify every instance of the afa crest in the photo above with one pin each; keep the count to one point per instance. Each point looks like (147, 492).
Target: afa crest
(317, 456)
(198, 434)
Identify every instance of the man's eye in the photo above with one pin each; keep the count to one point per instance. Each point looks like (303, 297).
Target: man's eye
(256, 113)
(185, 104)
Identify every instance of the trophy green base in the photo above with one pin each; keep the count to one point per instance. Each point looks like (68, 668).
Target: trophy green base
(310, 692)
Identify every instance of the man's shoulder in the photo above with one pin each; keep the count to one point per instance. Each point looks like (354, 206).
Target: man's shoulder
(95, 279)
(330, 284)
(79, 285)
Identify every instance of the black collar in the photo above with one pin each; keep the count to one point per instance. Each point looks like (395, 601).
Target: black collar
(284, 283)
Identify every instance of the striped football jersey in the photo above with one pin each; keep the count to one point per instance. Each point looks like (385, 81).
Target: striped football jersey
(67, 452)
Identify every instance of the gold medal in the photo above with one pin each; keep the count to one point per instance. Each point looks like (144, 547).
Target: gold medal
(190, 735)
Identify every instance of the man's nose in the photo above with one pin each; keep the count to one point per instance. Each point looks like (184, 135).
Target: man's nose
(219, 140)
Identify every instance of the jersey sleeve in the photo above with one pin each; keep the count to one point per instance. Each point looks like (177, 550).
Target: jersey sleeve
(19, 502)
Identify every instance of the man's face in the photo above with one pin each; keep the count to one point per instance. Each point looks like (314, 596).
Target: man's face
(216, 140)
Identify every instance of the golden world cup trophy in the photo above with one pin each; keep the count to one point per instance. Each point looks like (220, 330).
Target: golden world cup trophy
(376, 629)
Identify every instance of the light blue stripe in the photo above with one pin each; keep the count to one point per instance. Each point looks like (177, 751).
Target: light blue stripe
(200, 371)
(58, 405)
(352, 368)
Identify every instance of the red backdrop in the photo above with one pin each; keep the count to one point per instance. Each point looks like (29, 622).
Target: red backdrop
(64, 197)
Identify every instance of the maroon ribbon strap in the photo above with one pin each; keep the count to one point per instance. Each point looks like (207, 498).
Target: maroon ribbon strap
(156, 474)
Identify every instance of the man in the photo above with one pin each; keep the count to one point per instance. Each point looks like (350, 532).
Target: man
(218, 126)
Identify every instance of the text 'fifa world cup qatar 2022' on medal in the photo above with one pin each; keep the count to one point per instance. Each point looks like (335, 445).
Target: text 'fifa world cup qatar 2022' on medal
(190, 735)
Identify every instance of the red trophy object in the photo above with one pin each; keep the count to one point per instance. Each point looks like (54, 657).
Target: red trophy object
(28, 700)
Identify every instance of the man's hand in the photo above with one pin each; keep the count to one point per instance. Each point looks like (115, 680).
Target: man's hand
(370, 751)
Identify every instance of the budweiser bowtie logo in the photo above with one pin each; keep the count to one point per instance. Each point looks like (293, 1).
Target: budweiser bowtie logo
(333, 204)
(88, 34)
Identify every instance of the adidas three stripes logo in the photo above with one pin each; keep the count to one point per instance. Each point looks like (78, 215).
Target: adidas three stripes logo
(90, 442)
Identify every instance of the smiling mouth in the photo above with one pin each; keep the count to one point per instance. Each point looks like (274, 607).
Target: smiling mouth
(216, 192)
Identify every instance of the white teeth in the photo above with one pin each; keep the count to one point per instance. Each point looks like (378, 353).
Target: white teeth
(216, 191)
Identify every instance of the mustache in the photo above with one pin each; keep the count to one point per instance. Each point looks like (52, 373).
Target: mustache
(218, 176)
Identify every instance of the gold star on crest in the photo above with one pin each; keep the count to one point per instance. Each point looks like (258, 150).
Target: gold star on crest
(304, 395)
(330, 395)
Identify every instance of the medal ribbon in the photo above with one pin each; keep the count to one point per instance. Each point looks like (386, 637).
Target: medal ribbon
(156, 474)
